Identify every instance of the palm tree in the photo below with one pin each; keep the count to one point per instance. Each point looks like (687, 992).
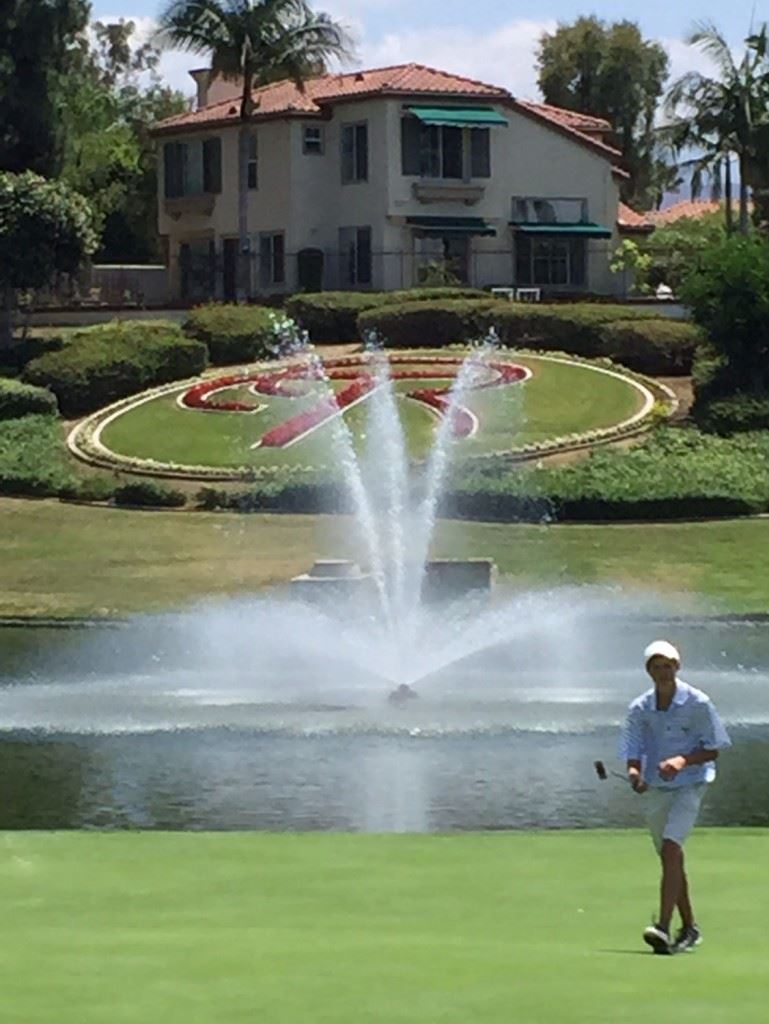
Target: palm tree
(255, 42)
(720, 116)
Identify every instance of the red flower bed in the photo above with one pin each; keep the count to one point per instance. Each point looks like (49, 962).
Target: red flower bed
(295, 426)
(356, 370)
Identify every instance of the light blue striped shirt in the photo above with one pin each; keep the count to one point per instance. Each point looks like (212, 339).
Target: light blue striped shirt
(690, 723)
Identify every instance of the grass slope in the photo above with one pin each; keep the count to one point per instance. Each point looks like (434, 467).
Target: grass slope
(537, 928)
(62, 560)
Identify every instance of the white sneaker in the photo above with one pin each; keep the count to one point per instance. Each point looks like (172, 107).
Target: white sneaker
(687, 938)
(658, 939)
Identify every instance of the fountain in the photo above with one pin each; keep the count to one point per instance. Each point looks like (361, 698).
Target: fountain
(273, 711)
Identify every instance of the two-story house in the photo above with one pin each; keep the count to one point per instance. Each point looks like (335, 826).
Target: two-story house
(363, 180)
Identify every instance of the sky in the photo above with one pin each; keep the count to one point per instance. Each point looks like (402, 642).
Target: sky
(489, 40)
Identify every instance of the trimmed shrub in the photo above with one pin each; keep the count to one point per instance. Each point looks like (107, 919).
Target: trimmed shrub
(111, 361)
(149, 494)
(734, 413)
(90, 488)
(652, 346)
(579, 328)
(18, 399)
(232, 334)
(430, 323)
(33, 458)
(728, 292)
(22, 350)
(333, 316)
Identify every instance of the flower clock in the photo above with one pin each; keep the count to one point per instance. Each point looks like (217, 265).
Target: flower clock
(358, 379)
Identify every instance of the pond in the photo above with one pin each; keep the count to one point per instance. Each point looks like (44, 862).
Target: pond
(180, 723)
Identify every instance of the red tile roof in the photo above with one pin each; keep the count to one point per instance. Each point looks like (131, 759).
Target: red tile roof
(283, 99)
(630, 222)
(686, 208)
(569, 118)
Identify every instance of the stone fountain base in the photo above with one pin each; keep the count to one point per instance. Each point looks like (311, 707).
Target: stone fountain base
(445, 579)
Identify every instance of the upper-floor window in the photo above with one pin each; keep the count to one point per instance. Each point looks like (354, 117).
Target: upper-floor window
(540, 210)
(444, 151)
(355, 255)
(272, 258)
(354, 152)
(192, 168)
(252, 165)
(312, 139)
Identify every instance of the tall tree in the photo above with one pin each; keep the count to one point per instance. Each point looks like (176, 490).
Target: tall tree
(110, 105)
(611, 71)
(38, 43)
(254, 42)
(724, 116)
(45, 228)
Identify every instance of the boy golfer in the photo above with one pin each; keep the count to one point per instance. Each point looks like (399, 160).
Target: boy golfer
(670, 742)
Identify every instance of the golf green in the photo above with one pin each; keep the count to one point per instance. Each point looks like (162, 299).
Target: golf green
(197, 928)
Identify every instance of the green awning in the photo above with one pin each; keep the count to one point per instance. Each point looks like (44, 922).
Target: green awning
(585, 230)
(451, 225)
(458, 117)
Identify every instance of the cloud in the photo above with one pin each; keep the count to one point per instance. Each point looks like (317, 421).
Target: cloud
(503, 56)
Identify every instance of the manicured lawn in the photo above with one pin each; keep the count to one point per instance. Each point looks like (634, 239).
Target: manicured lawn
(199, 928)
(62, 560)
(559, 400)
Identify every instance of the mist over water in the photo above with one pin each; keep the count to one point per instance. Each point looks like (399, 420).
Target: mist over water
(269, 712)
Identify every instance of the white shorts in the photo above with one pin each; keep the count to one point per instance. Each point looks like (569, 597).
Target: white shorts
(671, 813)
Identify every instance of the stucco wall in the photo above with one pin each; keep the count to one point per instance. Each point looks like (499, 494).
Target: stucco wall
(303, 195)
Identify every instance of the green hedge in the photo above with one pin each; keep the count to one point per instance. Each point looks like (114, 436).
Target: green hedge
(232, 334)
(676, 474)
(657, 347)
(150, 494)
(22, 350)
(102, 364)
(431, 323)
(19, 399)
(333, 316)
(638, 338)
(33, 457)
(734, 413)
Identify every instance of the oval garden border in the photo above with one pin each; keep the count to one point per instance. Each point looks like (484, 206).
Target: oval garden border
(84, 439)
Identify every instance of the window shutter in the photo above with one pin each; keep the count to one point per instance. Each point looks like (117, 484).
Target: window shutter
(173, 169)
(363, 256)
(212, 165)
(480, 153)
(278, 260)
(265, 260)
(410, 134)
(361, 152)
(348, 153)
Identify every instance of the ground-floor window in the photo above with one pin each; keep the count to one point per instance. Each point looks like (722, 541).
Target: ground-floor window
(442, 258)
(272, 259)
(550, 261)
(355, 256)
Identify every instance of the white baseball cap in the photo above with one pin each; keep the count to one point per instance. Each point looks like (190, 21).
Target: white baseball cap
(661, 649)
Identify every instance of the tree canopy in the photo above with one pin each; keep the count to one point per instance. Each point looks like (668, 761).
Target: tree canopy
(45, 228)
(109, 106)
(725, 115)
(611, 71)
(38, 45)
